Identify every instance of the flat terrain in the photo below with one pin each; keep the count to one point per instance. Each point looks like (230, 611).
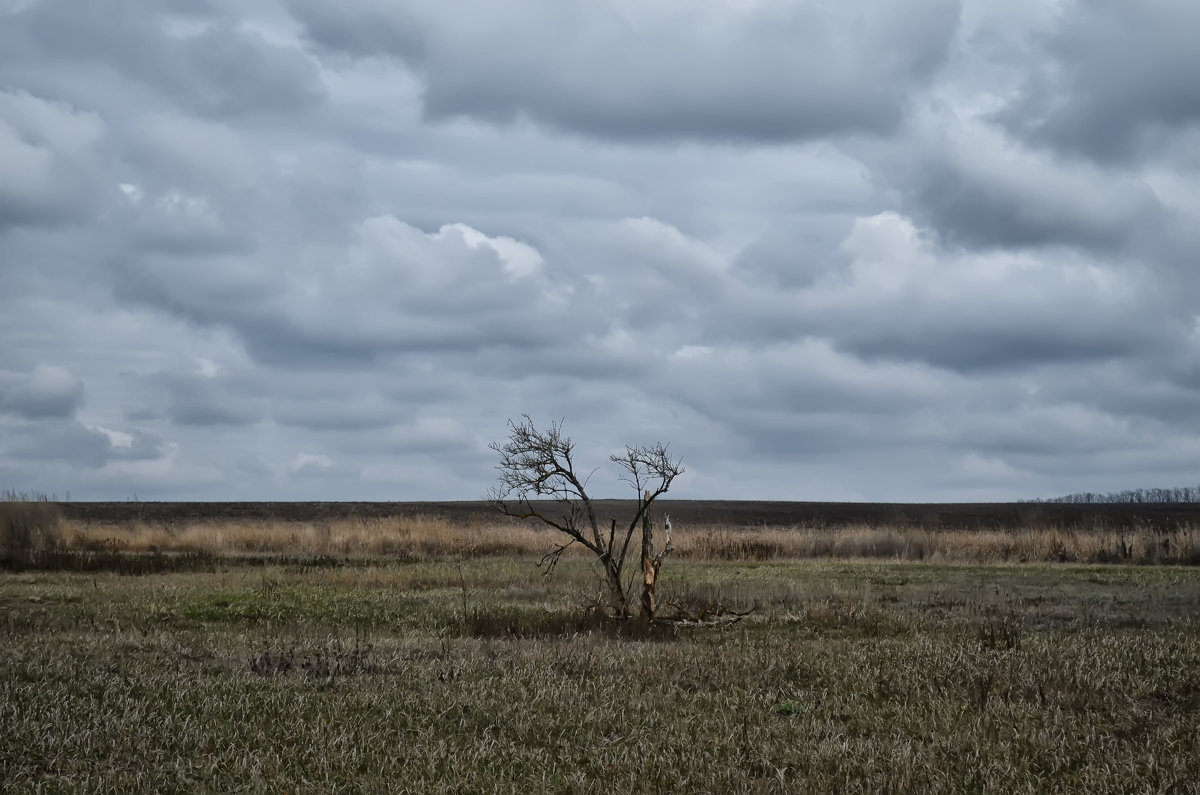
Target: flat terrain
(980, 516)
(463, 674)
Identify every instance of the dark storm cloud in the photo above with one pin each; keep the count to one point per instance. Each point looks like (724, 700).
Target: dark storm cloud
(772, 71)
(1115, 79)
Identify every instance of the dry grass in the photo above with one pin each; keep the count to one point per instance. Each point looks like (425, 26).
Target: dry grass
(406, 538)
(424, 537)
(29, 527)
(480, 676)
(1028, 545)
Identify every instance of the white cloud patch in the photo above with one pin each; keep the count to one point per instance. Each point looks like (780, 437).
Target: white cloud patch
(519, 259)
(317, 468)
(310, 464)
(206, 367)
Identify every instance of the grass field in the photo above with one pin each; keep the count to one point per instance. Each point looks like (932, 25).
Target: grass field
(37, 533)
(470, 672)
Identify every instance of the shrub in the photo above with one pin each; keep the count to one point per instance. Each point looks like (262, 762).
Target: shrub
(29, 527)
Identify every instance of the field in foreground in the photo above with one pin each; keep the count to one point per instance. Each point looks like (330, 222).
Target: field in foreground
(477, 674)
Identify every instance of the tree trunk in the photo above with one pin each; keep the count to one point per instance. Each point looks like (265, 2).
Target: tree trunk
(616, 592)
(649, 565)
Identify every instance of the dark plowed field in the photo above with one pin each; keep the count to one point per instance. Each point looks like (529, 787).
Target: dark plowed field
(983, 516)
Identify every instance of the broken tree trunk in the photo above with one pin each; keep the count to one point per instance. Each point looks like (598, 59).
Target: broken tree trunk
(651, 563)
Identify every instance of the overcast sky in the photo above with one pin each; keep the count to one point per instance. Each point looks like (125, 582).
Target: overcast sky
(866, 250)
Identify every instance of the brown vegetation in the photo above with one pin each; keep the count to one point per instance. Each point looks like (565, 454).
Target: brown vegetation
(479, 675)
(335, 652)
(1034, 544)
(27, 527)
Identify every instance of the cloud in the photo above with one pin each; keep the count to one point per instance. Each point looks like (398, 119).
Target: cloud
(204, 398)
(208, 63)
(397, 289)
(519, 259)
(47, 391)
(59, 440)
(338, 412)
(316, 467)
(857, 250)
(189, 154)
(205, 411)
(53, 442)
(771, 71)
(806, 378)
(310, 464)
(900, 296)
(644, 274)
(135, 445)
(1113, 81)
(978, 187)
(49, 168)
(892, 290)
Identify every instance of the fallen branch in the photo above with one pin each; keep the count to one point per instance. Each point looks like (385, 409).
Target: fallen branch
(712, 614)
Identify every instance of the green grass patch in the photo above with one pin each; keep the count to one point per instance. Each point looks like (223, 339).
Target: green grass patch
(465, 675)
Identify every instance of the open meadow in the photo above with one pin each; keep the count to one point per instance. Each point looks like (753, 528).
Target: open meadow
(429, 653)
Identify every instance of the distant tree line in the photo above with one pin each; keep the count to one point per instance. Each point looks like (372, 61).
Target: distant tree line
(1134, 496)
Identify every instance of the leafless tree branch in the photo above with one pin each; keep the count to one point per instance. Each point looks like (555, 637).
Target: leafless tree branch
(537, 468)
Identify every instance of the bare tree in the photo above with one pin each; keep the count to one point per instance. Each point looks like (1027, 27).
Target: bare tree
(538, 480)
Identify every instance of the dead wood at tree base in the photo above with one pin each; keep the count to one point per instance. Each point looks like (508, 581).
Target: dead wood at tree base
(711, 615)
